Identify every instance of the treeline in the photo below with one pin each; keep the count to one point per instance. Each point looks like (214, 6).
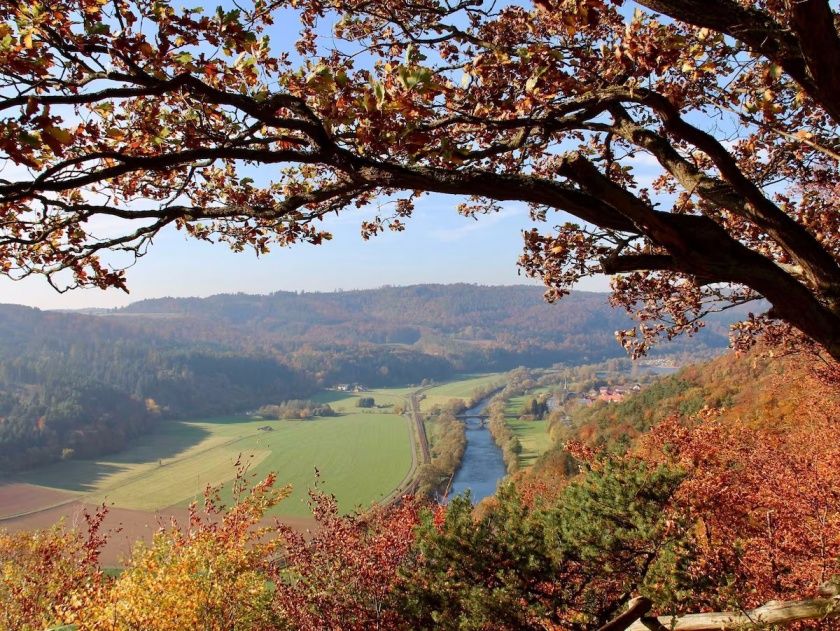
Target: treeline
(450, 328)
(503, 435)
(482, 392)
(447, 449)
(67, 419)
(519, 382)
(89, 400)
(76, 386)
(296, 409)
(535, 408)
(375, 366)
(406, 314)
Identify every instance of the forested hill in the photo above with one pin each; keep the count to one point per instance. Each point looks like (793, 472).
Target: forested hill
(754, 388)
(454, 320)
(74, 385)
(88, 382)
(755, 404)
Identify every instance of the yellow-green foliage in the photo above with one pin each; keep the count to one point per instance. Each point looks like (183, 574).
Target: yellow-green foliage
(44, 577)
(209, 574)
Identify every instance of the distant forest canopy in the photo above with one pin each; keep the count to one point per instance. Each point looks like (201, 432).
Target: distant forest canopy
(76, 384)
(513, 321)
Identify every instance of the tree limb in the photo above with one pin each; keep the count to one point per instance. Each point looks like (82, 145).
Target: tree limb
(773, 613)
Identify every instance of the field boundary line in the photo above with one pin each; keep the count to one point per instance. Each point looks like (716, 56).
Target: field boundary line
(87, 495)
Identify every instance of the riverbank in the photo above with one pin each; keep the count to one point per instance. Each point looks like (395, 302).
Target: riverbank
(482, 466)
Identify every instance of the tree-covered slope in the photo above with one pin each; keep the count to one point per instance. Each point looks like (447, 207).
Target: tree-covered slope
(755, 389)
(488, 323)
(89, 381)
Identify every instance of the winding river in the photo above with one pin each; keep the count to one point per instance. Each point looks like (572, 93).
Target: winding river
(482, 466)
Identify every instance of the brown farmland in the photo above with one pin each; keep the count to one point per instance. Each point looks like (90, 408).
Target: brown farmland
(46, 507)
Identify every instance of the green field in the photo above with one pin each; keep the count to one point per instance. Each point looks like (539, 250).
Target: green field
(362, 456)
(532, 435)
(384, 398)
(459, 389)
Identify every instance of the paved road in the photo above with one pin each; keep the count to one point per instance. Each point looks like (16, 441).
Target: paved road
(409, 484)
(414, 401)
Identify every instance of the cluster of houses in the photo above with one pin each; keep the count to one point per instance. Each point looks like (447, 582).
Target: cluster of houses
(610, 394)
(350, 387)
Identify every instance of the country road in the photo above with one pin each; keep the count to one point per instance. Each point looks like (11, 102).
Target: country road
(421, 426)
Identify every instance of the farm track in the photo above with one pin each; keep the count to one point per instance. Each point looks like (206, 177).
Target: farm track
(408, 484)
(421, 426)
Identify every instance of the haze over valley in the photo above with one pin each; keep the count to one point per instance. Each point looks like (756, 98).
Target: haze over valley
(90, 382)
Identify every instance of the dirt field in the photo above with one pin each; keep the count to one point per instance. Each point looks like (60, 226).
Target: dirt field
(133, 525)
(17, 498)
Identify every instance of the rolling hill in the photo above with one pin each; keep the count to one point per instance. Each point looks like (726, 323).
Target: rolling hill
(87, 382)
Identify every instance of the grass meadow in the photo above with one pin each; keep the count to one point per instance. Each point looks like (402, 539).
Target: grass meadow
(532, 435)
(459, 389)
(361, 457)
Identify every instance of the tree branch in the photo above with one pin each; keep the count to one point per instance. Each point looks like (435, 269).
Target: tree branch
(636, 608)
(638, 262)
(810, 53)
(773, 613)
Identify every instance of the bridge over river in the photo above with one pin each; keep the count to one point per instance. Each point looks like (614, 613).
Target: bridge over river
(482, 465)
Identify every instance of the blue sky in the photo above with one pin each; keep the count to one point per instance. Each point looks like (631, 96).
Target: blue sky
(438, 246)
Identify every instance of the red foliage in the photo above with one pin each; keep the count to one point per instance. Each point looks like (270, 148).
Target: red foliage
(765, 499)
(342, 576)
(47, 575)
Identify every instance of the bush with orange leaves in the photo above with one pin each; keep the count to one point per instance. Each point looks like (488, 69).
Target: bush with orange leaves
(764, 490)
(765, 501)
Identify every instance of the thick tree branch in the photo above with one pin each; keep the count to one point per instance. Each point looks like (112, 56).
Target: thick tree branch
(622, 264)
(810, 53)
(129, 164)
(636, 608)
(738, 194)
(500, 187)
(773, 613)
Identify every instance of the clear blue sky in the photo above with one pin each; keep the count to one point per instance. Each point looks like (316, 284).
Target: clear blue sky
(438, 246)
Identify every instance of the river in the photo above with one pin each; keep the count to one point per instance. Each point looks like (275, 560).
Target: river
(482, 465)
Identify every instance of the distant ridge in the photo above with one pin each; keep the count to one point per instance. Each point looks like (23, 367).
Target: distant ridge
(505, 315)
(67, 379)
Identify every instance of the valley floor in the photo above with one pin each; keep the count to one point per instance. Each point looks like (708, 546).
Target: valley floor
(362, 456)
